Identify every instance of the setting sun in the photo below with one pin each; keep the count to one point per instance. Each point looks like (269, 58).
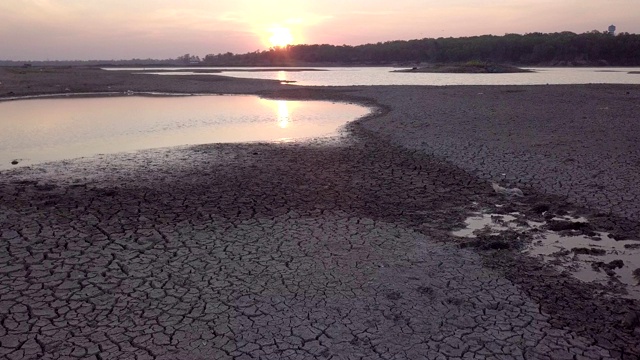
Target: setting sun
(280, 37)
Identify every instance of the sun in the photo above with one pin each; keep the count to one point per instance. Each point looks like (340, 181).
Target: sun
(280, 37)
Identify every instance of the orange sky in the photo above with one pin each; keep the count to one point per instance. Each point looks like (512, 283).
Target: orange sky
(124, 29)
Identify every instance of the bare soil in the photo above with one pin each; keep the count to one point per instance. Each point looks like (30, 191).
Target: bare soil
(319, 249)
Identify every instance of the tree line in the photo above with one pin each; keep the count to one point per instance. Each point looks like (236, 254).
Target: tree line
(593, 48)
(554, 49)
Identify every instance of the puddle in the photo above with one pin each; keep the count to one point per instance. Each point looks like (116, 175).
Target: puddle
(576, 219)
(38, 130)
(595, 258)
(584, 256)
(494, 223)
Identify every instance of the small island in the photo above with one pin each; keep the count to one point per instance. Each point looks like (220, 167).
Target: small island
(472, 67)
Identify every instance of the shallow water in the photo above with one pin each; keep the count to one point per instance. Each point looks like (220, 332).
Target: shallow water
(348, 76)
(478, 222)
(38, 130)
(553, 243)
(557, 249)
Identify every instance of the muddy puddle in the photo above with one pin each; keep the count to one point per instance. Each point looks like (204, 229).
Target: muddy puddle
(567, 244)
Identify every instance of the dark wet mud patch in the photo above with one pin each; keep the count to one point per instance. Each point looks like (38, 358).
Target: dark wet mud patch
(557, 235)
(370, 179)
(588, 309)
(507, 226)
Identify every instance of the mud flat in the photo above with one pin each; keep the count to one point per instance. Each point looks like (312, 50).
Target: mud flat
(37, 81)
(307, 250)
(576, 142)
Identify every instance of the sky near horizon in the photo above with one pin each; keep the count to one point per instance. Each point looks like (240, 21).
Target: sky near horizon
(125, 29)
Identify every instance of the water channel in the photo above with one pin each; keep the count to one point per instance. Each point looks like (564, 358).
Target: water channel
(350, 76)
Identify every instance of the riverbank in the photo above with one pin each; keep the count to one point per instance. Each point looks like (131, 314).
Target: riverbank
(313, 249)
(37, 81)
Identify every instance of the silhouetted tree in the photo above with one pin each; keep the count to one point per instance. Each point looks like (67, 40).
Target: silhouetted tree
(563, 48)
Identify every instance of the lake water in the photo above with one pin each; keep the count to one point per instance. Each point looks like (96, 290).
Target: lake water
(39, 130)
(347, 76)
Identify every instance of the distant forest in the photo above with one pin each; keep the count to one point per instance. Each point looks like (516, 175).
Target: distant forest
(593, 48)
(557, 49)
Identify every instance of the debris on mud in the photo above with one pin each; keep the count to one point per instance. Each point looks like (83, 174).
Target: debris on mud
(589, 251)
(608, 268)
(559, 225)
(569, 243)
(507, 191)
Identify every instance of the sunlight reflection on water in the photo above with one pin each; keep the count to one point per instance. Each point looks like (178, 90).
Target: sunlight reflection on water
(348, 76)
(39, 130)
(283, 114)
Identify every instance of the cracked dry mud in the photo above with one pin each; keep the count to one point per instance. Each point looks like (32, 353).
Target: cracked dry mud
(577, 142)
(220, 257)
(282, 251)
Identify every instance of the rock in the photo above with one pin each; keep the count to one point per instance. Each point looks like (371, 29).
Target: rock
(14, 162)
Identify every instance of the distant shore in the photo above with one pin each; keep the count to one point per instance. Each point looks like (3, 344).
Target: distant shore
(197, 251)
(467, 68)
(48, 80)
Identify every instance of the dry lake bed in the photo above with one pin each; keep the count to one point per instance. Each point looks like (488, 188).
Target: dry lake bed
(356, 247)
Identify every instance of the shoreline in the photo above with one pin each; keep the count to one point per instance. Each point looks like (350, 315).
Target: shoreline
(466, 68)
(331, 209)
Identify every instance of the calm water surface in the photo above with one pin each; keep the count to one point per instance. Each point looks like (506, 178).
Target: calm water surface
(39, 130)
(384, 76)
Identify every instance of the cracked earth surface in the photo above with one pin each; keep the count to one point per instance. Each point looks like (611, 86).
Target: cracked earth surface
(221, 258)
(289, 251)
(577, 142)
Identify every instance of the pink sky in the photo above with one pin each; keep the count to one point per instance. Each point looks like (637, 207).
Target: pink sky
(124, 29)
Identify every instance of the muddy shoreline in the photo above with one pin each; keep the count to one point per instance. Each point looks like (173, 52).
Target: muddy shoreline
(315, 249)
